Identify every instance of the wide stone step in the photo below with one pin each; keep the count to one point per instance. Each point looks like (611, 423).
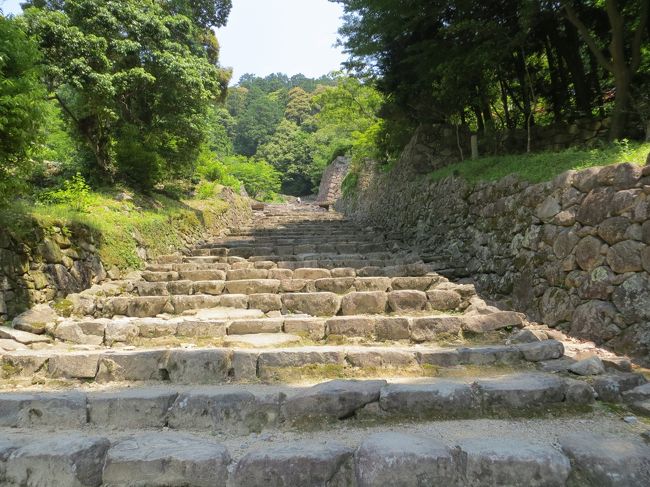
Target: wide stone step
(256, 281)
(398, 457)
(233, 242)
(417, 269)
(223, 365)
(246, 409)
(346, 248)
(271, 295)
(216, 323)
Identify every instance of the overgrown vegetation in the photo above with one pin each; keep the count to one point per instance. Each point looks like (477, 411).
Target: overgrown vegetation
(545, 166)
(299, 125)
(502, 66)
(121, 226)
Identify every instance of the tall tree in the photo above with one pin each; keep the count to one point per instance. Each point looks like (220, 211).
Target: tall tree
(22, 98)
(628, 23)
(134, 78)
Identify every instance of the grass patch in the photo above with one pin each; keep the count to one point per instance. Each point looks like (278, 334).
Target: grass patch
(544, 166)
(118, 228)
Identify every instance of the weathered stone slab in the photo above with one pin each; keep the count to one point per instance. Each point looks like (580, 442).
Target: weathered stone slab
(431, 328)
(139, 307)
(74, 365)
(130, 408)
(492, 322)
(407, 300)
(140, 365)
(265, 302)
(497, 354)
(365, 284)
(353, 326)
(201, 328)
(185, 303)
(65, 460)
(444, 300)
(540, 351)
(268, 361)
(357, 303)
(23, 337)
(260, 340)
(336, 399)
(512, 462)
(378, 358)
(295, 464)
(11, 345)
(224, 411)
(392, 328)
(441, 398)
(55, 410)
(313, 328)
(606, 461)
(253, 286)
(610, 387)
(166, 459)
(22, 363)
(336, 285)
(315, 304)
(397, 459)
(312, 274)
(519, 393)
(262, 325)
(199, 366)
(36, 319)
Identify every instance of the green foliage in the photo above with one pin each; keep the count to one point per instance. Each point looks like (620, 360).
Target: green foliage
(156, 222)
(206, 190)
(261, 180)
(498, 66)
(257, 122)
(21, 106)
(74, 193)
(299, 106)
(289, 152)
(134, 79)
(350, 183)
(214, 171)
(544, 166)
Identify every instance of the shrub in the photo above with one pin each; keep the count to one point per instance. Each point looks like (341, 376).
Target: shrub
(261, 180)
(206, 190)
(74, 193)
(350, 183)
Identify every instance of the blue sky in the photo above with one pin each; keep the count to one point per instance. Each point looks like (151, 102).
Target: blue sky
(269, 36)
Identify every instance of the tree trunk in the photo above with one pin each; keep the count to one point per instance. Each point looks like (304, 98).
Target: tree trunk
(570, 50)
(520, 66)
(621, 103)
(621, 66)
(556, 90)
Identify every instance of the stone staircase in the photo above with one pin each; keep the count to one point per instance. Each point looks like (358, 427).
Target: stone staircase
(307, 351)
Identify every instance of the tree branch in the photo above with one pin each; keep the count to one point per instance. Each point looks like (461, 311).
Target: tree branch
(66, 109)
(586, 36)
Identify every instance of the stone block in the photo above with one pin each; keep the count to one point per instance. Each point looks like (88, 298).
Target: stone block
(156, 459)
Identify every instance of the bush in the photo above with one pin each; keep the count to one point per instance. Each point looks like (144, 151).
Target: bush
(206, 190)
(260, 179)
(350, 183)
(74, 193)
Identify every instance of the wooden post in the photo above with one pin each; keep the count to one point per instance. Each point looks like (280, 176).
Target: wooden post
(474, 142)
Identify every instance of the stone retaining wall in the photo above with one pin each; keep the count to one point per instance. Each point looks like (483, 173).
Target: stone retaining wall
(49, 263)
(330, 184)
(572, 253)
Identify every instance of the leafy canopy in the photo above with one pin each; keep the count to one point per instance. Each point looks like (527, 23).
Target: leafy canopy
(134, 78)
